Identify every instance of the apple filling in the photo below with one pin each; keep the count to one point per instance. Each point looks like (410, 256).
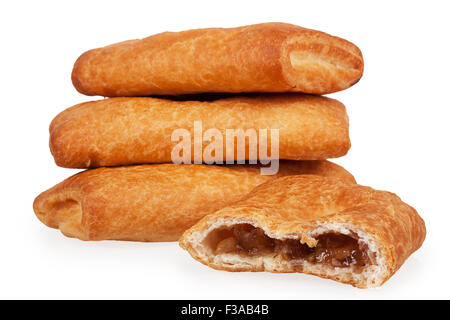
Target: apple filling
(333, 249)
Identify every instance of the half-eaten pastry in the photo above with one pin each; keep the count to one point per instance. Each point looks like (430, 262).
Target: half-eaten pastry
(316, 225)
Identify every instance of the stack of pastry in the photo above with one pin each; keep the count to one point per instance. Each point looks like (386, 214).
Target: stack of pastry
(310, 216)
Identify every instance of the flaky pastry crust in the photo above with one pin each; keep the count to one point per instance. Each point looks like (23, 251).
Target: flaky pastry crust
(124, 131)
(154, 202)
(268, 57)
(305, 207)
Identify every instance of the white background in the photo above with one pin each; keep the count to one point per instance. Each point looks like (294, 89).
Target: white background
(399, 117)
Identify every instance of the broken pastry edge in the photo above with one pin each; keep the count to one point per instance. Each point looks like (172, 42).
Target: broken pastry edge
(370, 276)
(63, 211)
(339, 60)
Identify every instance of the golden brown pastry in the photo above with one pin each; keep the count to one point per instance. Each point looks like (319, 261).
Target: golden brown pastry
(268, 57)
(317, 225)
(154, 202)
(123, 131)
